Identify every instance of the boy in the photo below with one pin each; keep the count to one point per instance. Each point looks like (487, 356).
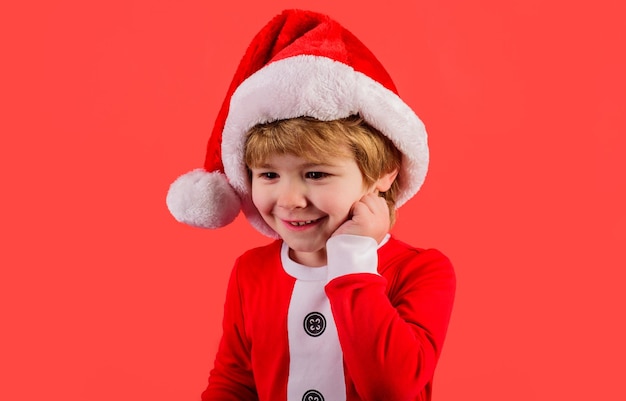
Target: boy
(315, 146)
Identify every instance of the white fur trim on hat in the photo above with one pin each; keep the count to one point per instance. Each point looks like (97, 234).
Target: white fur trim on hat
(325, 89)
(203, 199)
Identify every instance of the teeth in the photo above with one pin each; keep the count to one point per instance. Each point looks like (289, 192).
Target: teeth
(301, 223)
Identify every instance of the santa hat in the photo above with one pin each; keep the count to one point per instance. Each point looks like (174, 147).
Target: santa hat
(300, 64)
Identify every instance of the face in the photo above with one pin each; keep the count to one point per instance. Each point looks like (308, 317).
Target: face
(304, 202)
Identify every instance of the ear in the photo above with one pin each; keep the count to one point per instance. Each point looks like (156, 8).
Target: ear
(384, 182)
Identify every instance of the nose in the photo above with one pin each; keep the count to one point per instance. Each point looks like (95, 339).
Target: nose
(291, 195)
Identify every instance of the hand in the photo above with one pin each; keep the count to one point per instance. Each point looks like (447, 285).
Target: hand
(370, 218)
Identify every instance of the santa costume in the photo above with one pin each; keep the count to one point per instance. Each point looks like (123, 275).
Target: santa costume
(371, 323)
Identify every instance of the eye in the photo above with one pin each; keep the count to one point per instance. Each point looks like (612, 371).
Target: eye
(316, 175)
(267, 175)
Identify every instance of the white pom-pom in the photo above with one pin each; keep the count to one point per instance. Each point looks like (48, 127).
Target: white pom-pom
(203, 199)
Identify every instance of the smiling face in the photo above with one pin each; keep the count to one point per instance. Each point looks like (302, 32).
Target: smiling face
(306, 176)
(306, 202)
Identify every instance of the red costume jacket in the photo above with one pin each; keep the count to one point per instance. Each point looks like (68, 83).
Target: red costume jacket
(369, 326)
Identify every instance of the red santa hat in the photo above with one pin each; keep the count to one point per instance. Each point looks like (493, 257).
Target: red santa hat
(300, 64)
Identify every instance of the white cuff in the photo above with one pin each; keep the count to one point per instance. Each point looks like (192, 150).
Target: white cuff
(348, 254)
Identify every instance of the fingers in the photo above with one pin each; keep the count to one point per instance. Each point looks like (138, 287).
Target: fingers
(371, 213)
(369, 217)
(374, 203)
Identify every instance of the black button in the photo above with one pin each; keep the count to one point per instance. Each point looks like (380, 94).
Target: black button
(314, 324)
(312, 395)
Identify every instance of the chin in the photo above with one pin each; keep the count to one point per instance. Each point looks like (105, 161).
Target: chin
(306, 247)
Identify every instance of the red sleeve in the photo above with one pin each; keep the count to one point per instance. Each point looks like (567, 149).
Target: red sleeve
(231, 377)
(391, 333)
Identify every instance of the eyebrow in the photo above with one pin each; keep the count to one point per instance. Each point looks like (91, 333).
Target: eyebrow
(305, 165)
(311, 165)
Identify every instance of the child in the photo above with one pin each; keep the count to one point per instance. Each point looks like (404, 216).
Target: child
(317, 149)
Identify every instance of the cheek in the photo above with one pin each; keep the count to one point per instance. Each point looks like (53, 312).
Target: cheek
(337, 206)
(259, 198)
(343, 203)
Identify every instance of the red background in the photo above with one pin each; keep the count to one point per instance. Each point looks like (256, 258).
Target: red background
(103, 296)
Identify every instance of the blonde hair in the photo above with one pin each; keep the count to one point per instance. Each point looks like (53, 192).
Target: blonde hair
(315, 141)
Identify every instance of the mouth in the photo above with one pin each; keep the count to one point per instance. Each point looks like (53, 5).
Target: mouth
(302, 223)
